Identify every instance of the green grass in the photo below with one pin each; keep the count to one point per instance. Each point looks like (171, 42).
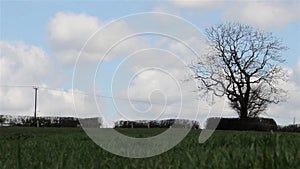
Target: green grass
(71, 148)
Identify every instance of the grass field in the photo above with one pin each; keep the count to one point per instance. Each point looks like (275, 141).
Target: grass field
(72, 148)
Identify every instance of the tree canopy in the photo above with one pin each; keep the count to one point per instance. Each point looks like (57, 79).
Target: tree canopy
(243, 63)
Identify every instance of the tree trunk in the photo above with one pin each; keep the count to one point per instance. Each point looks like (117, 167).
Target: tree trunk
(243, 114)
(244, 111)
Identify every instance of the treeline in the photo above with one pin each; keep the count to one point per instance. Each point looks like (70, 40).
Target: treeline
(289, 128)
(52, 122)
(256, 124)
(169, 123)
(30, 121)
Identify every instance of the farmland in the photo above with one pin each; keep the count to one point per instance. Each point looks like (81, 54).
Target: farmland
(26, 147)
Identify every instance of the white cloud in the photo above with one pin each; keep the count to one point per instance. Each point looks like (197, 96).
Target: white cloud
(23, 66)
(296, 73)
(264, 14)
(64, 103)
(68, 33)
(261, 14)
(197, 4)
(285, 112)
(68, 30)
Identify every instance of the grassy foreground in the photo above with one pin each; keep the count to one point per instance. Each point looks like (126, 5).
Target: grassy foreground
(72, 148)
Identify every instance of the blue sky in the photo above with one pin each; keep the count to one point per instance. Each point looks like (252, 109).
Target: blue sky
(32, 24)
(27, 20)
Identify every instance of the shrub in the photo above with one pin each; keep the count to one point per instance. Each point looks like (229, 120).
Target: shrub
(257, 124)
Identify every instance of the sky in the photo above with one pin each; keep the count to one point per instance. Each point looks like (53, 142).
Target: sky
(60, 47)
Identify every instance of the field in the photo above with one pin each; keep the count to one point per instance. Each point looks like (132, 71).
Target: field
(72, 148)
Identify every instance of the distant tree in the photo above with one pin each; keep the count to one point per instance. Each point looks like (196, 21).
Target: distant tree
(2, 119)
(243, 64)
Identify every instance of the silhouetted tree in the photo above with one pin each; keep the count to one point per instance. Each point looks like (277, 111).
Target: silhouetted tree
(2, 119)
(243, 64)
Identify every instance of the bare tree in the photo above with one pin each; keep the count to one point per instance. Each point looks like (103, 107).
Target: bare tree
(243, 64)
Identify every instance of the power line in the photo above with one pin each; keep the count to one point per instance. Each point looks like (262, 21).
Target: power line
(119, 98)
(108, 97)
(16, 86)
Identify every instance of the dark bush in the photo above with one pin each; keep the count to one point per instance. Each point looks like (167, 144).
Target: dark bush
(257, 124)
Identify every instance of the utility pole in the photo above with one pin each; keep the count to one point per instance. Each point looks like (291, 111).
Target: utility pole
(35, 104)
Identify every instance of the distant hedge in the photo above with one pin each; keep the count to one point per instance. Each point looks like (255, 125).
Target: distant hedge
(180, 123)
(50, 122)
(257, 124)
(29, 121)
(290, 128)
